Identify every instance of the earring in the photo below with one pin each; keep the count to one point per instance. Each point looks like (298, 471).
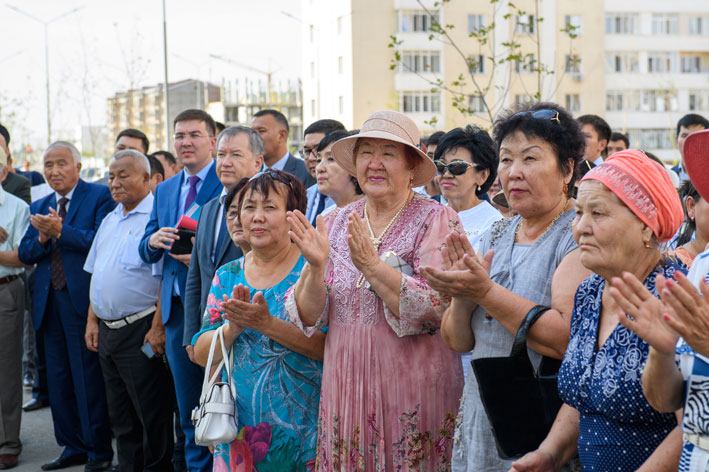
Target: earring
(566, 188)
(647, 245)
(411, 182)
(479, 188)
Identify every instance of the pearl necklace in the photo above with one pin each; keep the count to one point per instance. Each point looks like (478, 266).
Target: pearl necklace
(563, 210)
(377, 241)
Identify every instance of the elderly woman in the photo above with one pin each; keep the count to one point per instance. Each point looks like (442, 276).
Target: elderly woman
(233, 225)
(467, 161)
(625, 207)
(390, 386)
(277, 369)
(332, 179)
(534, 263)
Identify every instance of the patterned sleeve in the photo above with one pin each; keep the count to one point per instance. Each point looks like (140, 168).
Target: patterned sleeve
(420, 307)
(212, 317)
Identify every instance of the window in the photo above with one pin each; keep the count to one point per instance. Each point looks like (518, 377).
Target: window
(573, 64)
(476, 64)
(341, 104)
(650, 138)
(622, 62)
(573, 103)
(339, 65)
(658, 100)
(420, 102)
(698, 100)
(476, 104)
(699, 25)
(420, 61)
(573, 24)
(527, 66)
(416, 21)
(665, 23)
(622, 23)
(691, 64)
(475, 23)
(524, 99)
(661, 62)
(525, 24)
(614, 101)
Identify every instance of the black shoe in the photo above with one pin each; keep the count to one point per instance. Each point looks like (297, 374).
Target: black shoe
(97, 465)
(28, 380)
(62, 462)
(35, 404)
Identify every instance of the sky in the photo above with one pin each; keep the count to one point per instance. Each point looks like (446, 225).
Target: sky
(108, 46)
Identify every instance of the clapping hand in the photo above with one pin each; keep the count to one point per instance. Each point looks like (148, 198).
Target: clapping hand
(242, 312)
(689, 314)
(364, 255)
(313, 243)
(49, 226)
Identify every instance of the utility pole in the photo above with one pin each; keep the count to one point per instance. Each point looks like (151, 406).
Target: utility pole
(165, 86)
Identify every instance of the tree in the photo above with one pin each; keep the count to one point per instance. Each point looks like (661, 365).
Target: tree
(484, 95)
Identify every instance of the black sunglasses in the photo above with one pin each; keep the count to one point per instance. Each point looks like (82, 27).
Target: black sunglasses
(543, 114)
(455, 167)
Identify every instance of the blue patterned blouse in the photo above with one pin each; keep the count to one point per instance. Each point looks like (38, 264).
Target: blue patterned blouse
(618, 429)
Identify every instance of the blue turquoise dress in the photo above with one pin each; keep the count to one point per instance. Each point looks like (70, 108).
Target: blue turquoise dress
(618, 429)
(277, 390)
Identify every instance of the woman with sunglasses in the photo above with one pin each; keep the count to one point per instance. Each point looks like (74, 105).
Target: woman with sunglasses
(530, 259)
(466, 160)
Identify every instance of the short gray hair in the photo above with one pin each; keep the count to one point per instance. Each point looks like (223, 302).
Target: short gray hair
(137, 156)
(255, 140)
(75, 154)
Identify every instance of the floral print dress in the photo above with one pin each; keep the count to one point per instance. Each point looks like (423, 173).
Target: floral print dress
(277, 390)
(391, 387)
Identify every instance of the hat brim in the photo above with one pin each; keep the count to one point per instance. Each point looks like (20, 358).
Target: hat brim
(696, 158)
(500, 199)
(343, 152)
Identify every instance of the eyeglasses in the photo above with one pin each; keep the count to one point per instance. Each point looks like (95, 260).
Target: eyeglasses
(194, 136)
(543, 114)
(306, 151)
(455, 167)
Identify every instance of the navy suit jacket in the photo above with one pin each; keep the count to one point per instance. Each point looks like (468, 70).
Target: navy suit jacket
(202, 269)
(297, 167)
(165, 211)
(89, 204)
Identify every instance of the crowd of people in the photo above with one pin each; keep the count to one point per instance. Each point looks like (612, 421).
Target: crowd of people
(355, 288)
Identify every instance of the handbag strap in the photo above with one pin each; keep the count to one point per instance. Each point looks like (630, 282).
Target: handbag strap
(207, 381)
(519, 347)
(227, 361)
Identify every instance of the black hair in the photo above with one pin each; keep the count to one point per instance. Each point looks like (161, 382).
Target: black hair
(156, 166)
(167, 155)
(5, 134)
(480, 146)
(137, 134)
(616, 136)
(277, 115)
(603, 130)
(336, 136)
(220, 126)
(233, 192)
(268, 180)
(653, 157)
(435, 138)
(692, 119)
(197, 115)
(689, 226)
(564, 136)
(325, 126)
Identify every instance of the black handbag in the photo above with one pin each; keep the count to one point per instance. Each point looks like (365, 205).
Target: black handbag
(520, 403)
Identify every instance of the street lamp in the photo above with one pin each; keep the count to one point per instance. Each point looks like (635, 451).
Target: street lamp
(46, 53)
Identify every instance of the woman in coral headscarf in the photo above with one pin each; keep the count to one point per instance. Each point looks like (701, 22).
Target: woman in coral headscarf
(625, 208)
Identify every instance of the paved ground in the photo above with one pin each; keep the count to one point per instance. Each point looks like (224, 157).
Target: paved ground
(38, 443)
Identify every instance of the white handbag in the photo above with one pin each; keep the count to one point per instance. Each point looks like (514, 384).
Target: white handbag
(215, 418)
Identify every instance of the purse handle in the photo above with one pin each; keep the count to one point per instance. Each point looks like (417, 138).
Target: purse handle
(519, 347)
(227, 361)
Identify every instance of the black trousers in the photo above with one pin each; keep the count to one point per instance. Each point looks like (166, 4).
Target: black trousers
(140, 398)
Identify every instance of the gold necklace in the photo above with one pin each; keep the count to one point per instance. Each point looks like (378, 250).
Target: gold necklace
(377, 241)
(563, 210)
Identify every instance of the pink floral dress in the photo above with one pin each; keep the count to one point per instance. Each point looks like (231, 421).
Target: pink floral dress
(390, 386)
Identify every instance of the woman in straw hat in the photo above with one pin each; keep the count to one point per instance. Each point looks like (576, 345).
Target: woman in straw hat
(390, 386)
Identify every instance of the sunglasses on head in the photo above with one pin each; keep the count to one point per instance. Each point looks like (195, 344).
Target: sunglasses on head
(543, 114)
(455, 167)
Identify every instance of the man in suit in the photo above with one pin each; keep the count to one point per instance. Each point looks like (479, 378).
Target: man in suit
(312, 136)
(14, 184)
(239, 155)
(62, 228)
(273, 128)
(198, 183)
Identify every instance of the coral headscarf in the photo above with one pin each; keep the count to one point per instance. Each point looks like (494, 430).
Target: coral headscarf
(646, 189)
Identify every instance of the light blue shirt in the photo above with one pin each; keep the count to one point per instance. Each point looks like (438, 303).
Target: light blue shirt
(280, 164)
(313, 197)
(14, 219)
(185, 188)
(121, 283)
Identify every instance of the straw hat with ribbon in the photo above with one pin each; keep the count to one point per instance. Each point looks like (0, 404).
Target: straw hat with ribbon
(393, 126)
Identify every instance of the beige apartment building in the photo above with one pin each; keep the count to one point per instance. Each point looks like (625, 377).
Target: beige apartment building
(348, 68)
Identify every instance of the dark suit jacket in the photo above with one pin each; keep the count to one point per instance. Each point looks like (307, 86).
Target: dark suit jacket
(165, 211)
(34, 176)
(18, 186)
(89, 204)
(202, 269)
(297, 167)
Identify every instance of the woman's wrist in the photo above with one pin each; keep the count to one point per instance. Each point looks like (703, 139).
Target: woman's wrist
(662, 358)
